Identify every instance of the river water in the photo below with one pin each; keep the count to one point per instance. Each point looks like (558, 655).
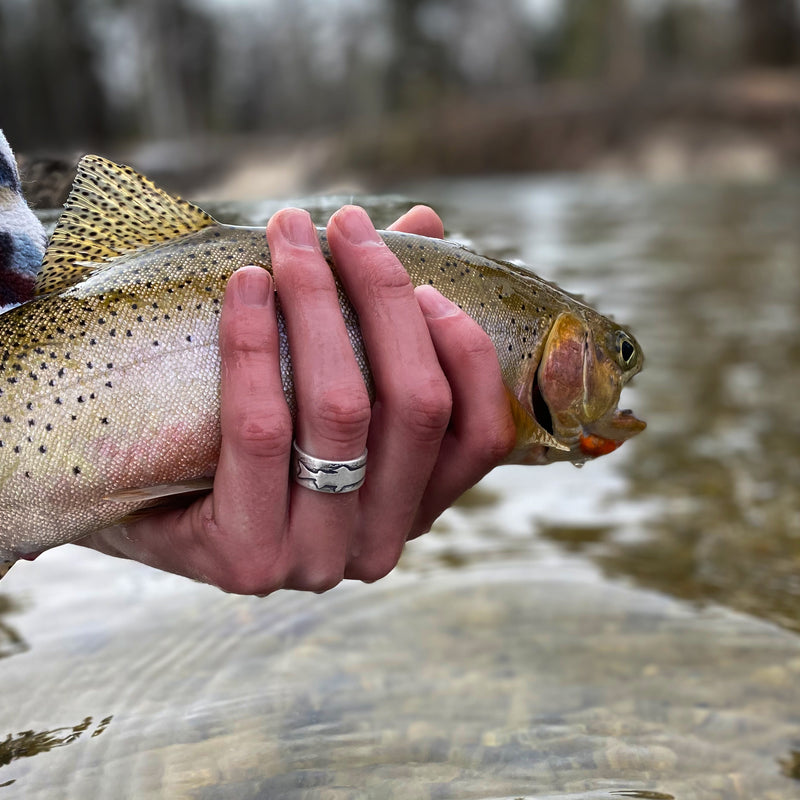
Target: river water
(630, 629)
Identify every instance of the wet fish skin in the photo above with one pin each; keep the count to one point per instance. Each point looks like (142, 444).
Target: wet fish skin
(109, 381)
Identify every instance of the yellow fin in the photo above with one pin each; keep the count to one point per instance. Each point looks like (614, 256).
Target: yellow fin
(147, 493)
(111, 210)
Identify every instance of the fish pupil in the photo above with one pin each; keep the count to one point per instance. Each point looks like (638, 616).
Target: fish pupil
(626, 350)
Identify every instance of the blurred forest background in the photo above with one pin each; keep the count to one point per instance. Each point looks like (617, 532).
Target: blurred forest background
(305, 93)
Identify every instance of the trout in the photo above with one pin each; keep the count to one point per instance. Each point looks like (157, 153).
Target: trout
(109, 378)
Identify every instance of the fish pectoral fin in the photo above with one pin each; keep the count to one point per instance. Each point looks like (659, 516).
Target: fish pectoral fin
(145, 494)
(5, 566)
(111, 210)
(163, 497)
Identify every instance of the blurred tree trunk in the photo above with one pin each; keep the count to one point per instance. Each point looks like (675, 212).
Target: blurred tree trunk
(770, 32)
(599, 39)
(418, 67)
(177, 68)
(50, 90)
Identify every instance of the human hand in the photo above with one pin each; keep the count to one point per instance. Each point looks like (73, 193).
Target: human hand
(440, 420)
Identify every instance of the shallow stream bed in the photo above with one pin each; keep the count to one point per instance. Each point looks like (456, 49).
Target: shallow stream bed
(630, 629)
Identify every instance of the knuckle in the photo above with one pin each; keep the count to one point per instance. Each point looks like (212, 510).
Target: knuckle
(501, 440)
(478, 345)
(374, 567)
(496, 441)
(343, 412)
(242, 340)
(221, 557)
(427, 410)
(305, 277)
(318, 580)
(468, 343)
(383, 274)
(250, 581)
(249, 576)
(266, 432)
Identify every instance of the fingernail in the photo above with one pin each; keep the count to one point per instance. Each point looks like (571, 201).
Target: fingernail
(253, 285)
(297, 228)
(355, 226)
(433, 303)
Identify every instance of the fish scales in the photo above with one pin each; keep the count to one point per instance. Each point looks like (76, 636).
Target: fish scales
(109, 383)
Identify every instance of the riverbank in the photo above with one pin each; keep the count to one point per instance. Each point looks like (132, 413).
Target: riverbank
(745, 127)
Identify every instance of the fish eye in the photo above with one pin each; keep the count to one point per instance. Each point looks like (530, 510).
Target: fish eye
(625, 349)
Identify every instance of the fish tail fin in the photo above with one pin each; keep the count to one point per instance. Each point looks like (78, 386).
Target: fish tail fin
(22, 237)
(111, 210)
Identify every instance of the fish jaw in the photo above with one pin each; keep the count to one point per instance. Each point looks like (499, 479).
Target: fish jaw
(580, 381)
(616, 430)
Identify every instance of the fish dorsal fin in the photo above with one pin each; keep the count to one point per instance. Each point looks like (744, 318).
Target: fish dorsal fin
(111, 210)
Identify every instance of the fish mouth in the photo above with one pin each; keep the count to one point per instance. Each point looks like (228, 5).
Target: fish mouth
(610, 432)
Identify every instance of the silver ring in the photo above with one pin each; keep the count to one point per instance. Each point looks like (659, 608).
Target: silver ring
(333, 477)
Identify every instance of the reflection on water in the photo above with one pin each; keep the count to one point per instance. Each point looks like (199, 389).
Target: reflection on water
(11, 642)
(709, 278)
(626, 630)
(31, 743)
(791, 765)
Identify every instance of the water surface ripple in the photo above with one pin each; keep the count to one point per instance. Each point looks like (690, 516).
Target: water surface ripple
(625, 630)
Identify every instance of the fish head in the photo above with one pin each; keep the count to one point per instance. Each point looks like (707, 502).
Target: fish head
(573, 393)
